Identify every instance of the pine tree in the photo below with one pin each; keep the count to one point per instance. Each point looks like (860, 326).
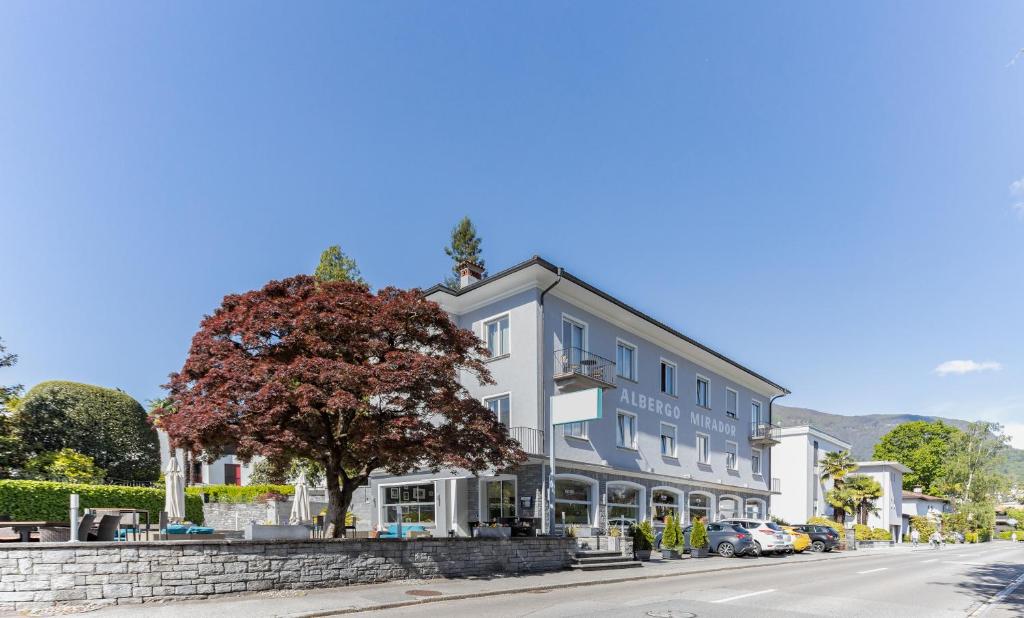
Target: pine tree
(464, 247)
(336, 266)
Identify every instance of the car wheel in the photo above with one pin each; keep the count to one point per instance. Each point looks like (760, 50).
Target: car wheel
(817, 546)
(756, 550)
(726, 550)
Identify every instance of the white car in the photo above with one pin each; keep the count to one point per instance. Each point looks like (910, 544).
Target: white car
(768, 536)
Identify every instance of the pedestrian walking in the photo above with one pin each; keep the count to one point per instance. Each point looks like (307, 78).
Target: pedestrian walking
(935, 540)
(1013, 536)
(915, 537)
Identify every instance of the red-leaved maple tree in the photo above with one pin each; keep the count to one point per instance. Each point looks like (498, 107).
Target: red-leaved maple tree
(330, 371)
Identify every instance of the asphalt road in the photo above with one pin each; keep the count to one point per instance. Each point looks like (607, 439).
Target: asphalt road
(955, 581)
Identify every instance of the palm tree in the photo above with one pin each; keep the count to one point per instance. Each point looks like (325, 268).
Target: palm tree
(862, 491)
(835, 465)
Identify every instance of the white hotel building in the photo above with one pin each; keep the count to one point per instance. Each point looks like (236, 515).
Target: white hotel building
(683, 429)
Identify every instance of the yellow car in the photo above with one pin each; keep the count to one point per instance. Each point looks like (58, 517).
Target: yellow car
(801, 540)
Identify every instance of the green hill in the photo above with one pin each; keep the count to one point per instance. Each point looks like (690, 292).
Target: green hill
(863, 432)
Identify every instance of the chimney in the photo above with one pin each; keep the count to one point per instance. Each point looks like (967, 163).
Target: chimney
(918, 489)
(469, 273)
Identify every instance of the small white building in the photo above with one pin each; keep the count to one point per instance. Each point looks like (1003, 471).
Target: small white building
(797, 457)
(889, 514)
(919, 504)
(227, 470)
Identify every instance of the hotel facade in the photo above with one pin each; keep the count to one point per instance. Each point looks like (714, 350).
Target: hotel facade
(681, 430)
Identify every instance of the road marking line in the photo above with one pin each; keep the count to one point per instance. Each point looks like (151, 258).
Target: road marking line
(743, 596)
(872, 571)
(927, 561)
(963, 562)
(1005, 592)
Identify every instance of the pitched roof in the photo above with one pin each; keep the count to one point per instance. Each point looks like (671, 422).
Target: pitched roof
(910, 495)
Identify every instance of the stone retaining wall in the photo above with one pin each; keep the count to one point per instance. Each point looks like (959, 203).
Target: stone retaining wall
(45, 574)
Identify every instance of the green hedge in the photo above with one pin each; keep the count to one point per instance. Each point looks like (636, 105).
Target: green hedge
(237, 493)
(46, 500)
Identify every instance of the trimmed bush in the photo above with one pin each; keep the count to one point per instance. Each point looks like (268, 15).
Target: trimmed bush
(102, 423)
(862, 532)
(643, 536)
(699, 535)
(672, 537)
(880, 534)
(47, 500)
(971, 537)
(831, 523)
(238, 493)
(924, 526)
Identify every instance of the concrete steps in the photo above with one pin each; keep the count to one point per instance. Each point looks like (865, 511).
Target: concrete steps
(602, 560)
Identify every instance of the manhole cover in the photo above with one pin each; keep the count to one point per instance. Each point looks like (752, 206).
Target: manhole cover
(670, 613)
(423, 593)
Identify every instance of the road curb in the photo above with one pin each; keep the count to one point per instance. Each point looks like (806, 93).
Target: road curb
(494, 593)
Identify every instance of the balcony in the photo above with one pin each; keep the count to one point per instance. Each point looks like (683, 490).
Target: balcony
(776, 485)
(576, 369)
(764, 434)
(531, 440)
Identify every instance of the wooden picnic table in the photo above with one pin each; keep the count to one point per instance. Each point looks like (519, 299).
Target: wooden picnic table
(26, 528)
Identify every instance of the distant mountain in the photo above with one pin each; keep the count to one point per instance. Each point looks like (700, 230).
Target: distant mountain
(864, 432)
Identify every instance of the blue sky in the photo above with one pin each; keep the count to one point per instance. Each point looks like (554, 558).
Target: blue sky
(821, 190)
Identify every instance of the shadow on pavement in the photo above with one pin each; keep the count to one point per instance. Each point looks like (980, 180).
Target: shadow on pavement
(981, 583)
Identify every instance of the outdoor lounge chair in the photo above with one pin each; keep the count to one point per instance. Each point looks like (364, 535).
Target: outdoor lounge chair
(107, 530)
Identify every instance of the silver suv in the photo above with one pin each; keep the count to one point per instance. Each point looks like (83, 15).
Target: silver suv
(768, 536)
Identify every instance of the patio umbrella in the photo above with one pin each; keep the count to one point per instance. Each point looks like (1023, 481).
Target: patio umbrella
(300, 505)
(174, 491)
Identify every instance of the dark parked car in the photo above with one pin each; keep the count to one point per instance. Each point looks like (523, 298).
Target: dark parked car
(729, 540)
(823, 538)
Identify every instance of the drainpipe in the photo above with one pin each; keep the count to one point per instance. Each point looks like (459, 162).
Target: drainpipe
(543, 406)
(771, 460)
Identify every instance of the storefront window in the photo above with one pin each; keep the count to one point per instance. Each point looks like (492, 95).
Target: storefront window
(414, 502)
(754, 509)
(664, 503)
(699, 506)
(501, 499)
(728, 508)
(623, 504)
(572, 502)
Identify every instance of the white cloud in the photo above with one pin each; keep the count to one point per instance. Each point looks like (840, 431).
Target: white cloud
(960, 367)
(1017, 187)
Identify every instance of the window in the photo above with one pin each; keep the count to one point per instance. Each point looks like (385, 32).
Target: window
(664, 502)
(668, 440)
(197, 472)
(702, 392)
(413, 503)
(731, 455)
(668, 378)
(702, 447)
(755, 460)
(496, 335)
(732, 402)
(573, 337)
(623, 504)
(575, 430)
(572, 502)
(626, 434)
(501, 499)
(755, 509)
(500, 406)
(755, 412)
(625, 360)
(699, 506)
(728, 507)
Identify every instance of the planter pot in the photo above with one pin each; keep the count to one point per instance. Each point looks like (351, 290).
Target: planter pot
(671, 554)
(614, 543)
(643, 555)
(484, 532)
(699, 553)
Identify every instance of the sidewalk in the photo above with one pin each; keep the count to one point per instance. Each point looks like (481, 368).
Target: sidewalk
(325, 602)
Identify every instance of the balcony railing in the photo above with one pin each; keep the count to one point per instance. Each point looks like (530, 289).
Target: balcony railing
(530, 439)
(765, 434)
(776, 485)
(580, 366)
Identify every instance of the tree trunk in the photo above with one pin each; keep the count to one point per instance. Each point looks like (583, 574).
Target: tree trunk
(337, 503)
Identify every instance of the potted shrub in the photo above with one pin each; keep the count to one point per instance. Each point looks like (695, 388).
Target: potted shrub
(672, 540)
(643, 540)
(699, 539)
